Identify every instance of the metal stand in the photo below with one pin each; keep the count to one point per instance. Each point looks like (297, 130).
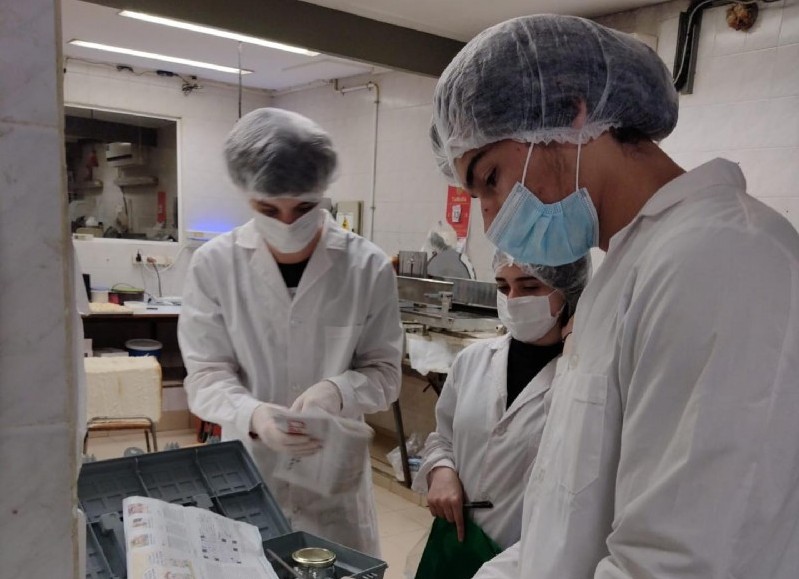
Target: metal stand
(406, 467)
(435, 381)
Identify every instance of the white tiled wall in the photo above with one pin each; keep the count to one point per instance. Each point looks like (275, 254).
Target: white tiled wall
(745, 101)
(38, 378)
(410, 192)
(208, 200)
(745, 107)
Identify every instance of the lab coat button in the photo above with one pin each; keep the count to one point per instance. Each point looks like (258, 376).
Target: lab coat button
(573, 361)
(501, 430)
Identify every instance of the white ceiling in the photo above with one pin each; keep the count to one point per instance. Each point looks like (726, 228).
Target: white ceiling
(462, 19)
(279, 70)
(273, 69)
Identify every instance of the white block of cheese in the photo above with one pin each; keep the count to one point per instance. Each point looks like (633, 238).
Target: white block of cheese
(123, 387)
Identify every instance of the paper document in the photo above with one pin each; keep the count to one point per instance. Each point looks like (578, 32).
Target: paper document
(166, 541)
(338, 466)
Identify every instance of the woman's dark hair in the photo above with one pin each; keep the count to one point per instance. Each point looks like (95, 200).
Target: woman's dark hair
(628, 135)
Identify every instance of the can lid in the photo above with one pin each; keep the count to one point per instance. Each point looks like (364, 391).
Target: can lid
(143, 344)
(314, 557)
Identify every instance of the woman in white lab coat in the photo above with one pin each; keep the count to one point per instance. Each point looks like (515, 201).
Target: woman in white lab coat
(291, 311)
(671, 448)
(493, 406)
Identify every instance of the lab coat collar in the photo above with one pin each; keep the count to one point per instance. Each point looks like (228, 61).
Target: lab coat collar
(540, 383)
(690, 184)
(711, 174)
(499, 374)
(333, 237)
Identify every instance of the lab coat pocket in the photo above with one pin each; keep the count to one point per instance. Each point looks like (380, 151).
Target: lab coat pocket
(339, 348)
(584, 431)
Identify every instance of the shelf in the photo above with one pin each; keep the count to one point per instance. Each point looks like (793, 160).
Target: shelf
(144, 181)
(86, 185)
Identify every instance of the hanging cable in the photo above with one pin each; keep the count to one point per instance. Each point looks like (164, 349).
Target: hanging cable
(157, 275)
(239, 74)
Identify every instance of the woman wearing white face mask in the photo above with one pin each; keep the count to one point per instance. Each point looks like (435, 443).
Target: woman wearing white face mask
(291, 311)
(492, 409)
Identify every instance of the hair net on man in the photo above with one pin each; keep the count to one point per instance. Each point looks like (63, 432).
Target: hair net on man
(569, 279)
(524, 79)
(277, 153)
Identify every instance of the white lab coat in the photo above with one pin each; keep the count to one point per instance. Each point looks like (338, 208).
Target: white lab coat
(672, 445)
(492, 448)
(244, 341)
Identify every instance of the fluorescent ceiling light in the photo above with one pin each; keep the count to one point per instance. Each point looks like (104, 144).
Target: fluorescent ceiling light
(155, 56)
(216, 32)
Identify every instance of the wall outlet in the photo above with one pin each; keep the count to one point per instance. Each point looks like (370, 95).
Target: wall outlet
(149, 260)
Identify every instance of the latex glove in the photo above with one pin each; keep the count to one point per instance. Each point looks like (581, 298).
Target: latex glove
(445, 497)
(323, 395)
(264, 428)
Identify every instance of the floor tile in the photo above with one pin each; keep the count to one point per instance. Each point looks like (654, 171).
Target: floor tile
(396, 522)
(389, 501)
(114, 445)
(395, 551)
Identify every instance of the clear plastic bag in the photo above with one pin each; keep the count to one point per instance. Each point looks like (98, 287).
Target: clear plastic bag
(440, 238)
(414, 444)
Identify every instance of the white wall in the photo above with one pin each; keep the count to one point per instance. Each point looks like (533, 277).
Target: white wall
(208, 200)
(745, 107)
(410, 191)
(745, 101)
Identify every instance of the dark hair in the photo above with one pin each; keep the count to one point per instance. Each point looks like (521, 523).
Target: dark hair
(628, 135)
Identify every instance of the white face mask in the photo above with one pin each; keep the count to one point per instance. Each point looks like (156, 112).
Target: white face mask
(289, 237)
(527, 318)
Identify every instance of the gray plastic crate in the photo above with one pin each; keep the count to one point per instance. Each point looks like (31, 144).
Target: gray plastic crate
(349, 563)
(219, 477)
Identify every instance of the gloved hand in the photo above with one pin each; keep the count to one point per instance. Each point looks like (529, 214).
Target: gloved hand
(264, 427)
(324, 395)
(445, 497)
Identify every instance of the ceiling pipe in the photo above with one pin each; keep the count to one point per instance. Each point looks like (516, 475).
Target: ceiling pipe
(370, 86)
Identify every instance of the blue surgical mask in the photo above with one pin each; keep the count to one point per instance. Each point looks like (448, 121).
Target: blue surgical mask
(545, 234)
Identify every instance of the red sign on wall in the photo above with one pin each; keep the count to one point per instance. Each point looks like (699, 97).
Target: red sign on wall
(459, 205)
(161, 209)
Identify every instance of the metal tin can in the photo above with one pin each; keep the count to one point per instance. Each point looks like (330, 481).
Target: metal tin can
(315, 563)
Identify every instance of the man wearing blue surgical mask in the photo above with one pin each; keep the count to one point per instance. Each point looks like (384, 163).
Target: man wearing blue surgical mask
(289, 311)
(672, 447)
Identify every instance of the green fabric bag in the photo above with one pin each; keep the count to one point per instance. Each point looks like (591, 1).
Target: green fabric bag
(444, 557)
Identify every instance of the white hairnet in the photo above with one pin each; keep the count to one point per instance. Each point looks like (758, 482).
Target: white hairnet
(569, 279)
(524, 79)
(276, 153)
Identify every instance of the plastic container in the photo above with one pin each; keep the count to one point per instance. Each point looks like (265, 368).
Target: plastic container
(219, 477)
(100, 295)
(126, 294)
(144, 347)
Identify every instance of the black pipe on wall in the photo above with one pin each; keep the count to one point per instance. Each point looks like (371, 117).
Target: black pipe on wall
(688, 40)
